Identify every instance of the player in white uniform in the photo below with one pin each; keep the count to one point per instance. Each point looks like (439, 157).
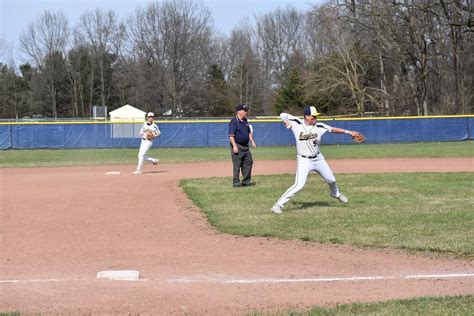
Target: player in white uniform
(308, 133)
(146, 144)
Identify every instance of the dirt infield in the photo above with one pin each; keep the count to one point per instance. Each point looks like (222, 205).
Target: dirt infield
(60, 226)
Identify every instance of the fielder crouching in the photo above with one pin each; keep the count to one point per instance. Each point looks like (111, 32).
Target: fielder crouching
(308, 133)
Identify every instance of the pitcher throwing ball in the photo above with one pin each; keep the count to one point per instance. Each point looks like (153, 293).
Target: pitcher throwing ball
(148, 133)
(308, 133)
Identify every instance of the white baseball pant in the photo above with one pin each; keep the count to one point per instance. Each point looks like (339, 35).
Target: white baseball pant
(142, 157)
(304, 167)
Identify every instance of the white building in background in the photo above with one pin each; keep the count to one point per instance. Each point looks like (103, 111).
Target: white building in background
(126, 121)
(127, 113)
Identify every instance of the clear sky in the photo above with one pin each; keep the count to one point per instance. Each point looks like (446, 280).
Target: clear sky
(16, 14)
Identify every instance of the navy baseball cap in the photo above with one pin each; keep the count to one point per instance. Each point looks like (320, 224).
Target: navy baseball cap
(241, 107)
(311, 110)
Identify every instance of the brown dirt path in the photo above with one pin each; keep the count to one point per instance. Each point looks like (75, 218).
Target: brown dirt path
(60, 226)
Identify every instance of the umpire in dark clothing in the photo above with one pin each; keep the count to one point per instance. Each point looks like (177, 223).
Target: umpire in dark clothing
(240, 134)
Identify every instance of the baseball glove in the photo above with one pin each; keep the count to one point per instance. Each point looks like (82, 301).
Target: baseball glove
(358, 138)
(150, 135)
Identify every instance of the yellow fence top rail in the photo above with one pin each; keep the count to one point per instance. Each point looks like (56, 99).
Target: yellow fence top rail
(254, 120)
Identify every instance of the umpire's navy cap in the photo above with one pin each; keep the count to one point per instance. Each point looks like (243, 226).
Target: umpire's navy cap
(241, 107)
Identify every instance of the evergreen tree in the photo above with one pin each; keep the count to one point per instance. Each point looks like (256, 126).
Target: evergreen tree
(219, 99)
(290, 95)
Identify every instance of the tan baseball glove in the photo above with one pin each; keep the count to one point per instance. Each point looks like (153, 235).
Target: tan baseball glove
(358, 138)
(150, 135)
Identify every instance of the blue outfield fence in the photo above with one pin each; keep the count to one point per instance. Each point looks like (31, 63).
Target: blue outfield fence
(214, 134)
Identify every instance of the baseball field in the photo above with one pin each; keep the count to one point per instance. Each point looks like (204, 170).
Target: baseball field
(402, 245)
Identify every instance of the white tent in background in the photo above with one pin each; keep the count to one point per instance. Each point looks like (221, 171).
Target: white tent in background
(128, 121)
(127, 113)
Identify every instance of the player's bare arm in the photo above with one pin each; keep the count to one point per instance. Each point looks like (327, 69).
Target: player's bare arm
(356, 136)
(343, 131)
(252, 141)
(235, 149)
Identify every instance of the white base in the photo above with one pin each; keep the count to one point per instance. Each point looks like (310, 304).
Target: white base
(123, 275)
(111, 173)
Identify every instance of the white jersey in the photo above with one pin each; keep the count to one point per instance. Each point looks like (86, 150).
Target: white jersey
(149, 127)
(308, 137)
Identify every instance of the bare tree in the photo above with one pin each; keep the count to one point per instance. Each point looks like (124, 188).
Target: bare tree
(9, 99)
(102, 33)
(174, 39)
(393, 57)
(278, 35)
(457, 16)
(368, 20)
(416, 40)
(3, 48)
(319, 44)
(45, 37)
(414, 34)
(47, 34)
(80, 64)
(221, 54)
(345, 70)
(346, 65)
(242, 61)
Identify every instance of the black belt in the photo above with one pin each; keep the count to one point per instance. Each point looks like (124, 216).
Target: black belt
(310, 157)
(244, 147)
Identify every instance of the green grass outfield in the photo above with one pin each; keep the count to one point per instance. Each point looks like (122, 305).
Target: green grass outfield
(418, 211)
(439, 306)
(84, 157)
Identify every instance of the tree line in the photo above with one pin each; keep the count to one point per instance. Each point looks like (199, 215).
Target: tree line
(347, 57)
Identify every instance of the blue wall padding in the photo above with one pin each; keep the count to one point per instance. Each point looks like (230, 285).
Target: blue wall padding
(403, 130)
(38, 136)
(190, 134)
(5, 136)
(470, 127)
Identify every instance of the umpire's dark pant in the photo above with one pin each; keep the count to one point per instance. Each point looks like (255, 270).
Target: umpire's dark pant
(242, 160)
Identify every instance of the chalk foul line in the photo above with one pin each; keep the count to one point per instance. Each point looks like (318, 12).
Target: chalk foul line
(234, 280)
(38, 280)
(64, 280)
(230, 280)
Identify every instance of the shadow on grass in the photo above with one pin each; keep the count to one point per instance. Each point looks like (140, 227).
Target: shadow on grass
(305, 205)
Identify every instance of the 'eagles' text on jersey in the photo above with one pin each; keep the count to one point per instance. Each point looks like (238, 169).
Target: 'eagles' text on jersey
(308, 137)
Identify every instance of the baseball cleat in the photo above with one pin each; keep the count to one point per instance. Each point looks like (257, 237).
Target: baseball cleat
(137, 172)
(251, 184)
(276, 209)
(341, 197)
(155, 162)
